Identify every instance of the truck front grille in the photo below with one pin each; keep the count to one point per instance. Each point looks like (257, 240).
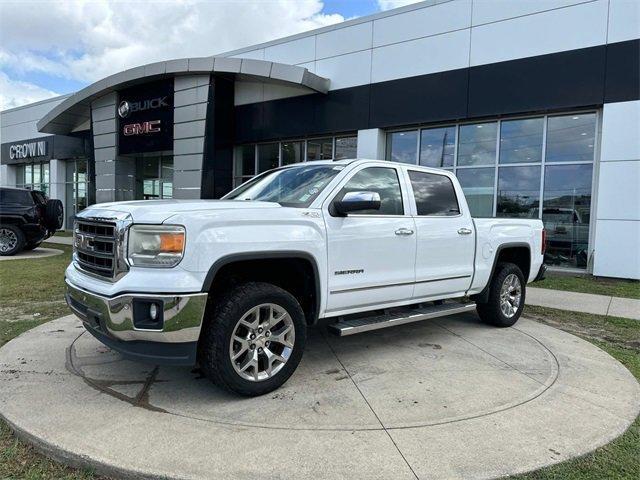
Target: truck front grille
(96, 247)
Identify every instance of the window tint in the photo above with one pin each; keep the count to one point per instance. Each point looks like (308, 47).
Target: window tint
(437, 147)
(403, 147)
(382, 180)
(434, 194)
(346, 147)
(21, 197)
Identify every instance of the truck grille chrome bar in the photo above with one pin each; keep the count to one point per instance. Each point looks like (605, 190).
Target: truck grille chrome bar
(100, 246)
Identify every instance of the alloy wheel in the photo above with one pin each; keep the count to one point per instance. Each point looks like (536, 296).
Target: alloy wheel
(262, 342)
(510, 295)
(8, 240)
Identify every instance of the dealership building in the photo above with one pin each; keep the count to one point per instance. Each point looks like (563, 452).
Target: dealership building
(535, 105)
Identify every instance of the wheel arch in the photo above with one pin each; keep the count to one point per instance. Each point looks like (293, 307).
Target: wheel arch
(223, 265)
(514, 252)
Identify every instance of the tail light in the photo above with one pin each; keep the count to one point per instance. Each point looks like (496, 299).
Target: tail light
(544, 241)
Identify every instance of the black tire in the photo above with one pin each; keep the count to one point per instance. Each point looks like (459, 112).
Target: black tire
(54, 214)
(14, 238)
(491, 312)
(31, 246)
(214, 345)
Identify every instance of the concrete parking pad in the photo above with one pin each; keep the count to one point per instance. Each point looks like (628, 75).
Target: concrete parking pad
(451, 398)
(39, 252)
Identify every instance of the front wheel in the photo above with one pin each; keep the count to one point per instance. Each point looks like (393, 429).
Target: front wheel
(11, 240)
(507, 292)
(254, 340)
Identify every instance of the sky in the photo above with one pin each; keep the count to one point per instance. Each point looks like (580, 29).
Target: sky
(54, 47)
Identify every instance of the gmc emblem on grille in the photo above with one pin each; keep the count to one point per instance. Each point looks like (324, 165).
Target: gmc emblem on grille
(85, 243)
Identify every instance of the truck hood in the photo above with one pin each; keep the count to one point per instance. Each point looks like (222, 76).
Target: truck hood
(158, 211)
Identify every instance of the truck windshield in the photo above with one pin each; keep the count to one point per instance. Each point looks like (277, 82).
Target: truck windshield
(290, 187)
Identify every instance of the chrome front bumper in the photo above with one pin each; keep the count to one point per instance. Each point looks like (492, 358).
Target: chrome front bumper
(123, 322)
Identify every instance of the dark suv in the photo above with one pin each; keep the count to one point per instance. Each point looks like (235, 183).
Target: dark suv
(27, 217)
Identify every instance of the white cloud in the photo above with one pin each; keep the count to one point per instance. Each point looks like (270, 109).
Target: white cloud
(15, 93)
(389, 4)
(86, 40)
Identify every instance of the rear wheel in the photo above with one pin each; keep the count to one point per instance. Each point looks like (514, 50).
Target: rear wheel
(254, 340)
(507, 292)
(11, 240)
(53, 214)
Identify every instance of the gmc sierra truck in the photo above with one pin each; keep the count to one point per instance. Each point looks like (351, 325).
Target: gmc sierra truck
(233, 284)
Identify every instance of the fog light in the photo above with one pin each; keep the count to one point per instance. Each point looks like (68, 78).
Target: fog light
(153, 311)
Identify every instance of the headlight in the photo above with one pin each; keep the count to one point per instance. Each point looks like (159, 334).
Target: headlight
(156, 245)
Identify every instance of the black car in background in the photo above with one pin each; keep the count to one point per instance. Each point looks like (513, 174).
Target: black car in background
(27, 217)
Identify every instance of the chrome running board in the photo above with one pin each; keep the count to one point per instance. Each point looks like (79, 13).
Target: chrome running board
(398, 316)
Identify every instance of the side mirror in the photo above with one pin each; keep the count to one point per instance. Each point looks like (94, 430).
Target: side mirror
(355, 201)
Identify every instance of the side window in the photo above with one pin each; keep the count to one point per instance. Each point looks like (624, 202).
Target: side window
(382, 180)
(434, 194)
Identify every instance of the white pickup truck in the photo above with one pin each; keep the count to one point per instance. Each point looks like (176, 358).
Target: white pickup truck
(233, 284)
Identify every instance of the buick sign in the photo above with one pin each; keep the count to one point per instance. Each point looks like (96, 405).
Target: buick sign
(126, 108)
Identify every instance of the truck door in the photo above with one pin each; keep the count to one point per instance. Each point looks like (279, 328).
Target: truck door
(445, 236)
(371, 253)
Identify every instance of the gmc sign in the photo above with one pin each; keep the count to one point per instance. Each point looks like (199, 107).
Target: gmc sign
(145, 118)
(152, 126)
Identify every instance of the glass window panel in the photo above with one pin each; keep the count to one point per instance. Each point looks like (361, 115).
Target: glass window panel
(28, 174)
(292, 152)
(167, 189)
(518, 192)
(167, 168)
(403, 147)
(571, 138)
(477, 144)
(37, 173)
(267, 156)
(377, 179)
(245, 160)
(434, 194)
(150, 167)
(45, 172)
(566, 213)
(521, 140)
(320, 149)
(346, 147)
(437, 147)
(478, 186)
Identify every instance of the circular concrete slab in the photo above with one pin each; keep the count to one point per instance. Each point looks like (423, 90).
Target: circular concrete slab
(39, 252)
(450, 398)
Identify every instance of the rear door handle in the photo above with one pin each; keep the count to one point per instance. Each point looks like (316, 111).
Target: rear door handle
(465, 231)
(405, 232)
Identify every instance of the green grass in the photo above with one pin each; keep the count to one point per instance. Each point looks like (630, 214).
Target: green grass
(620, 338)
(64, 233)
(20, 461)
(32, 292)
(588, 284)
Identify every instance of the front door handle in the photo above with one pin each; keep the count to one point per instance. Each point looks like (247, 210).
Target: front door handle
(465, 231)
(405, 232)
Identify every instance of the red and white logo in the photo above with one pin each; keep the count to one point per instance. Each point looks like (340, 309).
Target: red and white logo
(152, 126)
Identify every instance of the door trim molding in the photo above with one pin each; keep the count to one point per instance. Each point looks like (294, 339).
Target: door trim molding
(347, 290)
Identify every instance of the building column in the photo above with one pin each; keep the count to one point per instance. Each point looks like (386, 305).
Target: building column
(115, 175)
(617, 216)
(190, 100)
(371, 144)
(8, 175)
